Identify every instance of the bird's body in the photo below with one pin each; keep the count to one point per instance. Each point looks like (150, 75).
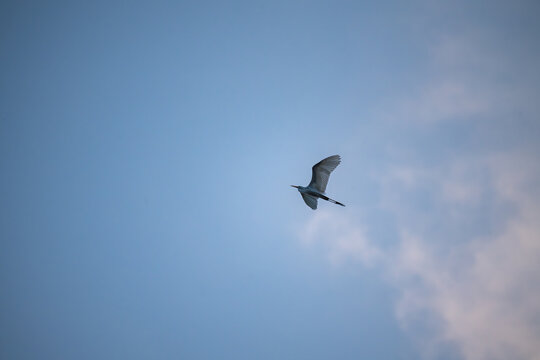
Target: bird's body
(319, 179)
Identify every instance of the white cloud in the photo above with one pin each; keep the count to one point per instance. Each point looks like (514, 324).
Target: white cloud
(339, 237)
(472, 258)
(481, 294)
(470, 78)
(445, 100)
(489, 303)
(467, 262)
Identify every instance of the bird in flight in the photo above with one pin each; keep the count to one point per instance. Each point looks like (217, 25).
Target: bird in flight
(319, 178)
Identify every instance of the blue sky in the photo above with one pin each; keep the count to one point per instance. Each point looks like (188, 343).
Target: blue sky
(146, 153)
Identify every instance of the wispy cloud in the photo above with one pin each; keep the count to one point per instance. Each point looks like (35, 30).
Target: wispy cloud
(480, 291)
(484, 288)
(471, 77)
(467, 258)
(340, 238)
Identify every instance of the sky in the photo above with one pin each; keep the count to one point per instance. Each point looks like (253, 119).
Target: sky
(146, 153)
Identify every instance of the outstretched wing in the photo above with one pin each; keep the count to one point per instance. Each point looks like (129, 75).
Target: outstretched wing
(321, 172)
(310, 201)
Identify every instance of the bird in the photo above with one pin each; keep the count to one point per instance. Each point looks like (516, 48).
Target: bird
(319, 179)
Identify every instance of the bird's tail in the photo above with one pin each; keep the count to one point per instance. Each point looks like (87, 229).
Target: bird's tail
(335, 202)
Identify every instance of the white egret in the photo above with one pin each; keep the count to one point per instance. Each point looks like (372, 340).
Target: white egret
(319, 178)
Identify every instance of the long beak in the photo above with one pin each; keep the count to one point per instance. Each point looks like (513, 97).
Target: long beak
(294, 186)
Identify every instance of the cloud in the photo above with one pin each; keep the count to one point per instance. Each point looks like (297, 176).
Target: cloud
(479, 292)
(484, 290)
(467, 256)
(340, 238)
(471, 77)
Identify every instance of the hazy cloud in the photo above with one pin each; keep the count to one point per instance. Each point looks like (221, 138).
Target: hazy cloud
(483, 288)
(479, 291)
(472, 77)
(467, 253)
(340, 238)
